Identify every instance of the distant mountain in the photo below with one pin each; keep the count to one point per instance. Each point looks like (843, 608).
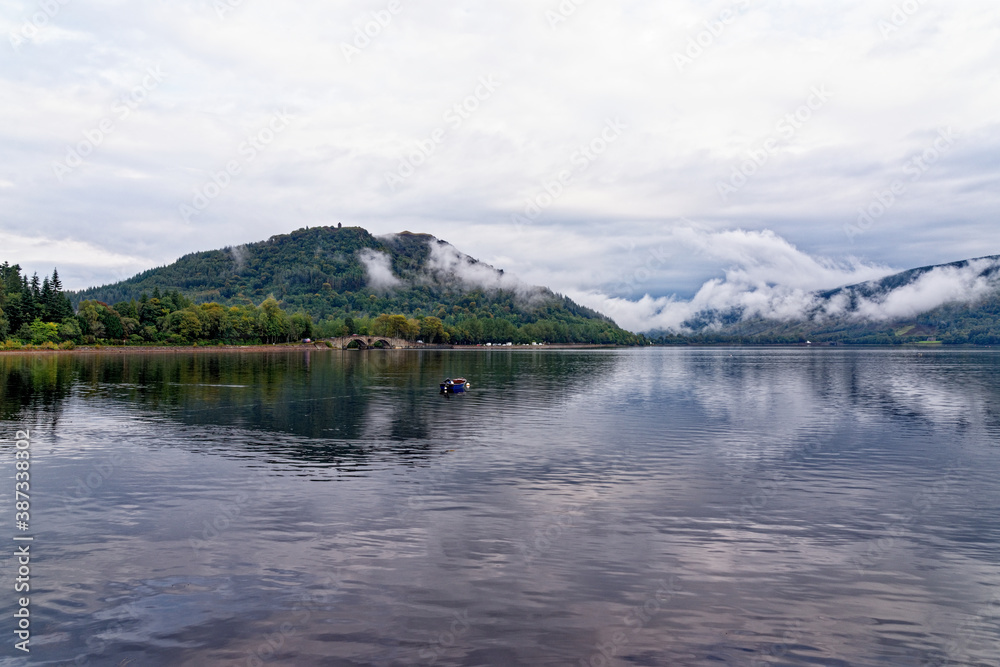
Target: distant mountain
(334, 273)
(947, 303)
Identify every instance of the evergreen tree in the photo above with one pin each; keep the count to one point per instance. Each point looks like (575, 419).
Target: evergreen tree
(63, 308)
(54, 306)
(45, 301)
(29, 310)
(10, 279)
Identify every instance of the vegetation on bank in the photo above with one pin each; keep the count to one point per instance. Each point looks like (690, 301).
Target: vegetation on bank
(37, 313)
(32, 310)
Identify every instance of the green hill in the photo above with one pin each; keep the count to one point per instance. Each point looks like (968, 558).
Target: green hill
(868, 313)
(345, 277)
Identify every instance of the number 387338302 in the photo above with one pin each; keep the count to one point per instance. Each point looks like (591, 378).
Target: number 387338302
(22, 501)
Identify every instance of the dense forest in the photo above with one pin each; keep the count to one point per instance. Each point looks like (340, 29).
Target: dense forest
(320, 274)
(34, 312)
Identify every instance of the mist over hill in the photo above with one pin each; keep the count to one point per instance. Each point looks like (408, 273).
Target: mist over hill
(335, 274)
(957, 302)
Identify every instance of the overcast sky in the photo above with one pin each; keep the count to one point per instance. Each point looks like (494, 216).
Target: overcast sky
(604, 149)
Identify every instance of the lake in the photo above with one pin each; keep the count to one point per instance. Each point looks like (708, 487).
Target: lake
(706, 506)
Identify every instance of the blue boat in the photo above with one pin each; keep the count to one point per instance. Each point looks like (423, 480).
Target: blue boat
(456, 386)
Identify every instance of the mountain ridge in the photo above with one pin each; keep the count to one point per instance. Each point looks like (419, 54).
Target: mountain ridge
(953, 303)
(336, 273)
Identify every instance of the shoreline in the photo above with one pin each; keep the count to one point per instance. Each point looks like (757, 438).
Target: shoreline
(286, 347)
(307, 347)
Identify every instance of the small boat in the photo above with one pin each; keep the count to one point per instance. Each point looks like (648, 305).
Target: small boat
(455, 386)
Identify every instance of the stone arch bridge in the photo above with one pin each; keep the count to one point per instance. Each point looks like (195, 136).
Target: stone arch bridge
(360, 342)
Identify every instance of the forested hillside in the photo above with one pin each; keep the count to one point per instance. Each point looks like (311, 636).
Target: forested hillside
(868, 313)
(344, 279)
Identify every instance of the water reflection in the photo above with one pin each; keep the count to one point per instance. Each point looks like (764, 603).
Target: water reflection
(681, 507)
(346, 400)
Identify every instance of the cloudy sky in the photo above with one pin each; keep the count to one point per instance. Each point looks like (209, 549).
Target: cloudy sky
(623, 153)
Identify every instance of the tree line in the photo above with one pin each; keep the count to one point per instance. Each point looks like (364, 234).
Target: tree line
(37, 312)
(466, 329)
(29, 306)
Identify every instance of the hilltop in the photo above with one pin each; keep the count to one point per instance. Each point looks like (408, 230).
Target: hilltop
(341, 277)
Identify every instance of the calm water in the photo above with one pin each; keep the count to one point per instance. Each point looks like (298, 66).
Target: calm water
(639, 507)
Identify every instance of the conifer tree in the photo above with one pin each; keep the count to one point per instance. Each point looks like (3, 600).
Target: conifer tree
(29, 303)
(61, 307)
(45, 301)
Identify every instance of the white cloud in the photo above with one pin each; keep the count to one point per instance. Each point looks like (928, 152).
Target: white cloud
(354, 121)
(79, 262)
(944, 284)
(446, 263)
(378, 267)
(766, 276)
(770, 278)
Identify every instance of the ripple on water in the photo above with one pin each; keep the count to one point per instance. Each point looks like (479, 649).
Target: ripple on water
(681, 507)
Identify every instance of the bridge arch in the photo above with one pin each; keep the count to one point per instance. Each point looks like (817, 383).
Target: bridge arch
(364, 342)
